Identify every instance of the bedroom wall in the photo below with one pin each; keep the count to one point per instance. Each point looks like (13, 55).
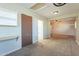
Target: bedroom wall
(64, 26)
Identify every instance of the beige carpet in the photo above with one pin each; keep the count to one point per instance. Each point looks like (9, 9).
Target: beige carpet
(48, 47)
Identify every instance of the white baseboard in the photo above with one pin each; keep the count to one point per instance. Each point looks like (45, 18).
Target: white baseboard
(4, 54)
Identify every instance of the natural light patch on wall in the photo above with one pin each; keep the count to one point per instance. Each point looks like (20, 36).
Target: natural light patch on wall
(40, 29)
(62, 27)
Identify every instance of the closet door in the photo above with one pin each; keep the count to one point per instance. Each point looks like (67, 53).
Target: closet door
(26, 30)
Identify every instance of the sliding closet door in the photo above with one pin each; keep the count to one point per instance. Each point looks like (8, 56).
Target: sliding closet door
(26, 30)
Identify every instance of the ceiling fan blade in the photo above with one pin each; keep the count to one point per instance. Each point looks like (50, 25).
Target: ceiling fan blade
(38, 6)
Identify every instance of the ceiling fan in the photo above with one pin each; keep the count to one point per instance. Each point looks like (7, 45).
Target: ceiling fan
(40, 5)
(59, 4)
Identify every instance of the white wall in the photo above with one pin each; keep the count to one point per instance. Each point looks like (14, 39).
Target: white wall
(35, 30)
(46, 28)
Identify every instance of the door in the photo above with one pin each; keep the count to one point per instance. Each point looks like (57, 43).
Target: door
(26, 30)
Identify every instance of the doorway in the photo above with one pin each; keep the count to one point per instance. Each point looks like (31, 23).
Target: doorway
(64, 28)
(40, 30)
(26, 30)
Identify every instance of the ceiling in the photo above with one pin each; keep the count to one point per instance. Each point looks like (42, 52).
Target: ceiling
(47, 10)
(16, 6)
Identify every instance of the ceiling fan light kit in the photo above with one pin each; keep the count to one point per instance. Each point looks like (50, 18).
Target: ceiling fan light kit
(59, 4)
(56, 12)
